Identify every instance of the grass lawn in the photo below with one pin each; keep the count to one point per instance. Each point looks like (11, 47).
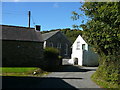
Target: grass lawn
(21, 71)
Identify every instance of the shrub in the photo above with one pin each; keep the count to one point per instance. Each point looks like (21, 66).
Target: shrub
(108, 72)
(51, 58)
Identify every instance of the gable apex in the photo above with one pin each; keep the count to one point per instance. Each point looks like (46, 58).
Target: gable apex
(80, 39)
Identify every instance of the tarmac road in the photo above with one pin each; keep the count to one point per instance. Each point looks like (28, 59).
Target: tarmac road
(74, 76)
(68, 76)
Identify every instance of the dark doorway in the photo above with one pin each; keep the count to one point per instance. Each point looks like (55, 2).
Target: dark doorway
(76, 61)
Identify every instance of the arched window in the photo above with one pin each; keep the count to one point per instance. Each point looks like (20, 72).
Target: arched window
(58, 45)
(66, 49)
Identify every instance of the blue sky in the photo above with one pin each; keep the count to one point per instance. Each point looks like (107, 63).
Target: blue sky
(50, 15)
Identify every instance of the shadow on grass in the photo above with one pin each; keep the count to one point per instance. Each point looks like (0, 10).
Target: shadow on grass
(35, 82)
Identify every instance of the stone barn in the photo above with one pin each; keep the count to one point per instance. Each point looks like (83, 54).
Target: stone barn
(57, 39)
(21, 46)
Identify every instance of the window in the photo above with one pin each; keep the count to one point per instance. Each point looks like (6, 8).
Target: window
(51, 44)
(83, 46)
(18, 46)
(59, 45)
(44, 46)
(78, 46)
(88, 47)
(66, 49)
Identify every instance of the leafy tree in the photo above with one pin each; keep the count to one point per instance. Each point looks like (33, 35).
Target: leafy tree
(103, 32)
(71, 34)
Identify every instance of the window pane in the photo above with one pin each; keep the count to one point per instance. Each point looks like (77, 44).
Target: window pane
(66, 49)
(78, 46)
(83, 46)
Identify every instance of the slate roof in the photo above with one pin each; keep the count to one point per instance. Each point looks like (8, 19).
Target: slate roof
(20, 33)
(46, 36)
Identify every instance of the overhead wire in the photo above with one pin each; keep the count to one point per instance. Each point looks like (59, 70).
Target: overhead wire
(33, 19)
(16, 13)
(13, 13)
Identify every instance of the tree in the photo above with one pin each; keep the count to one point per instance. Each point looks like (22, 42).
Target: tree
(103, 33)
(71, 34)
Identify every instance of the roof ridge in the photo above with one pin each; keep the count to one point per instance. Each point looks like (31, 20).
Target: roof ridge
(22, 34)
(49, 34)
(16, 26)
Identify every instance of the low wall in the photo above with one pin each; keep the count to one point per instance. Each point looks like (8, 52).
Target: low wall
(90, 58)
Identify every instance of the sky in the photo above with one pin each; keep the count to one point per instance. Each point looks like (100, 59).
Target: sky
(50, 15)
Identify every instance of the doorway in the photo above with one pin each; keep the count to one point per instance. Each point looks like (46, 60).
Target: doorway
(76, 61)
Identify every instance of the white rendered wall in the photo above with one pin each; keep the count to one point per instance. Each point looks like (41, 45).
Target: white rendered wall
(85, 57)
(78, 53)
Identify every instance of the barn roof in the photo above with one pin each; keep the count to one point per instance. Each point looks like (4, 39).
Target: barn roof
(46, 36)
(20, 33)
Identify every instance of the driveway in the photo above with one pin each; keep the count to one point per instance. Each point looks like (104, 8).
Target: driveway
(67, 77)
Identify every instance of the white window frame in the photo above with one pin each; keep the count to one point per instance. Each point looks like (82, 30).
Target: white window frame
(78, 46)
(44, 46)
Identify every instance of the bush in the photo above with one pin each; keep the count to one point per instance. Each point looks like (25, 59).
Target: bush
(51, 58)
(108, 72)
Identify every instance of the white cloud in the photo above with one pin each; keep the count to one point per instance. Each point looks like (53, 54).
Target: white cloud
(55, 5)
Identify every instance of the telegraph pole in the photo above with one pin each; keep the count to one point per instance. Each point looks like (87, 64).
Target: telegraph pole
(29, 15)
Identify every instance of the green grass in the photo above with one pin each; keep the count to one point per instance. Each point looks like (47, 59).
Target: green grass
(103, 83)
(17, 69)
(21, 71)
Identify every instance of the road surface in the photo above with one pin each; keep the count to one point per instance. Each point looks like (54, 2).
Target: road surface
(68, 76)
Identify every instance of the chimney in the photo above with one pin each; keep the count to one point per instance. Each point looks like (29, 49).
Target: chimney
(37, 27)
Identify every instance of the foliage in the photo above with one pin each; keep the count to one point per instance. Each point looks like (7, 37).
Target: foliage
(103, 33)
(51, 58)
(102, 83)
(51, 53)
(71, 34)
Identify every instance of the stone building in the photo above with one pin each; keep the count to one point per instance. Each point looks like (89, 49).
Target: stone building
(57, 39)
(21, 46)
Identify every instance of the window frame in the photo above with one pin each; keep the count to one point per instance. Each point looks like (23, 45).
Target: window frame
(78, 46)
(66, 49)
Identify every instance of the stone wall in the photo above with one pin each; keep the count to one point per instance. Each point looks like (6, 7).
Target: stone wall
(59, 38)
(22, 54)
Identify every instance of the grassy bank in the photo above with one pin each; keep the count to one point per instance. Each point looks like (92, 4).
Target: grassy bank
(21, 71)
(102, 83)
